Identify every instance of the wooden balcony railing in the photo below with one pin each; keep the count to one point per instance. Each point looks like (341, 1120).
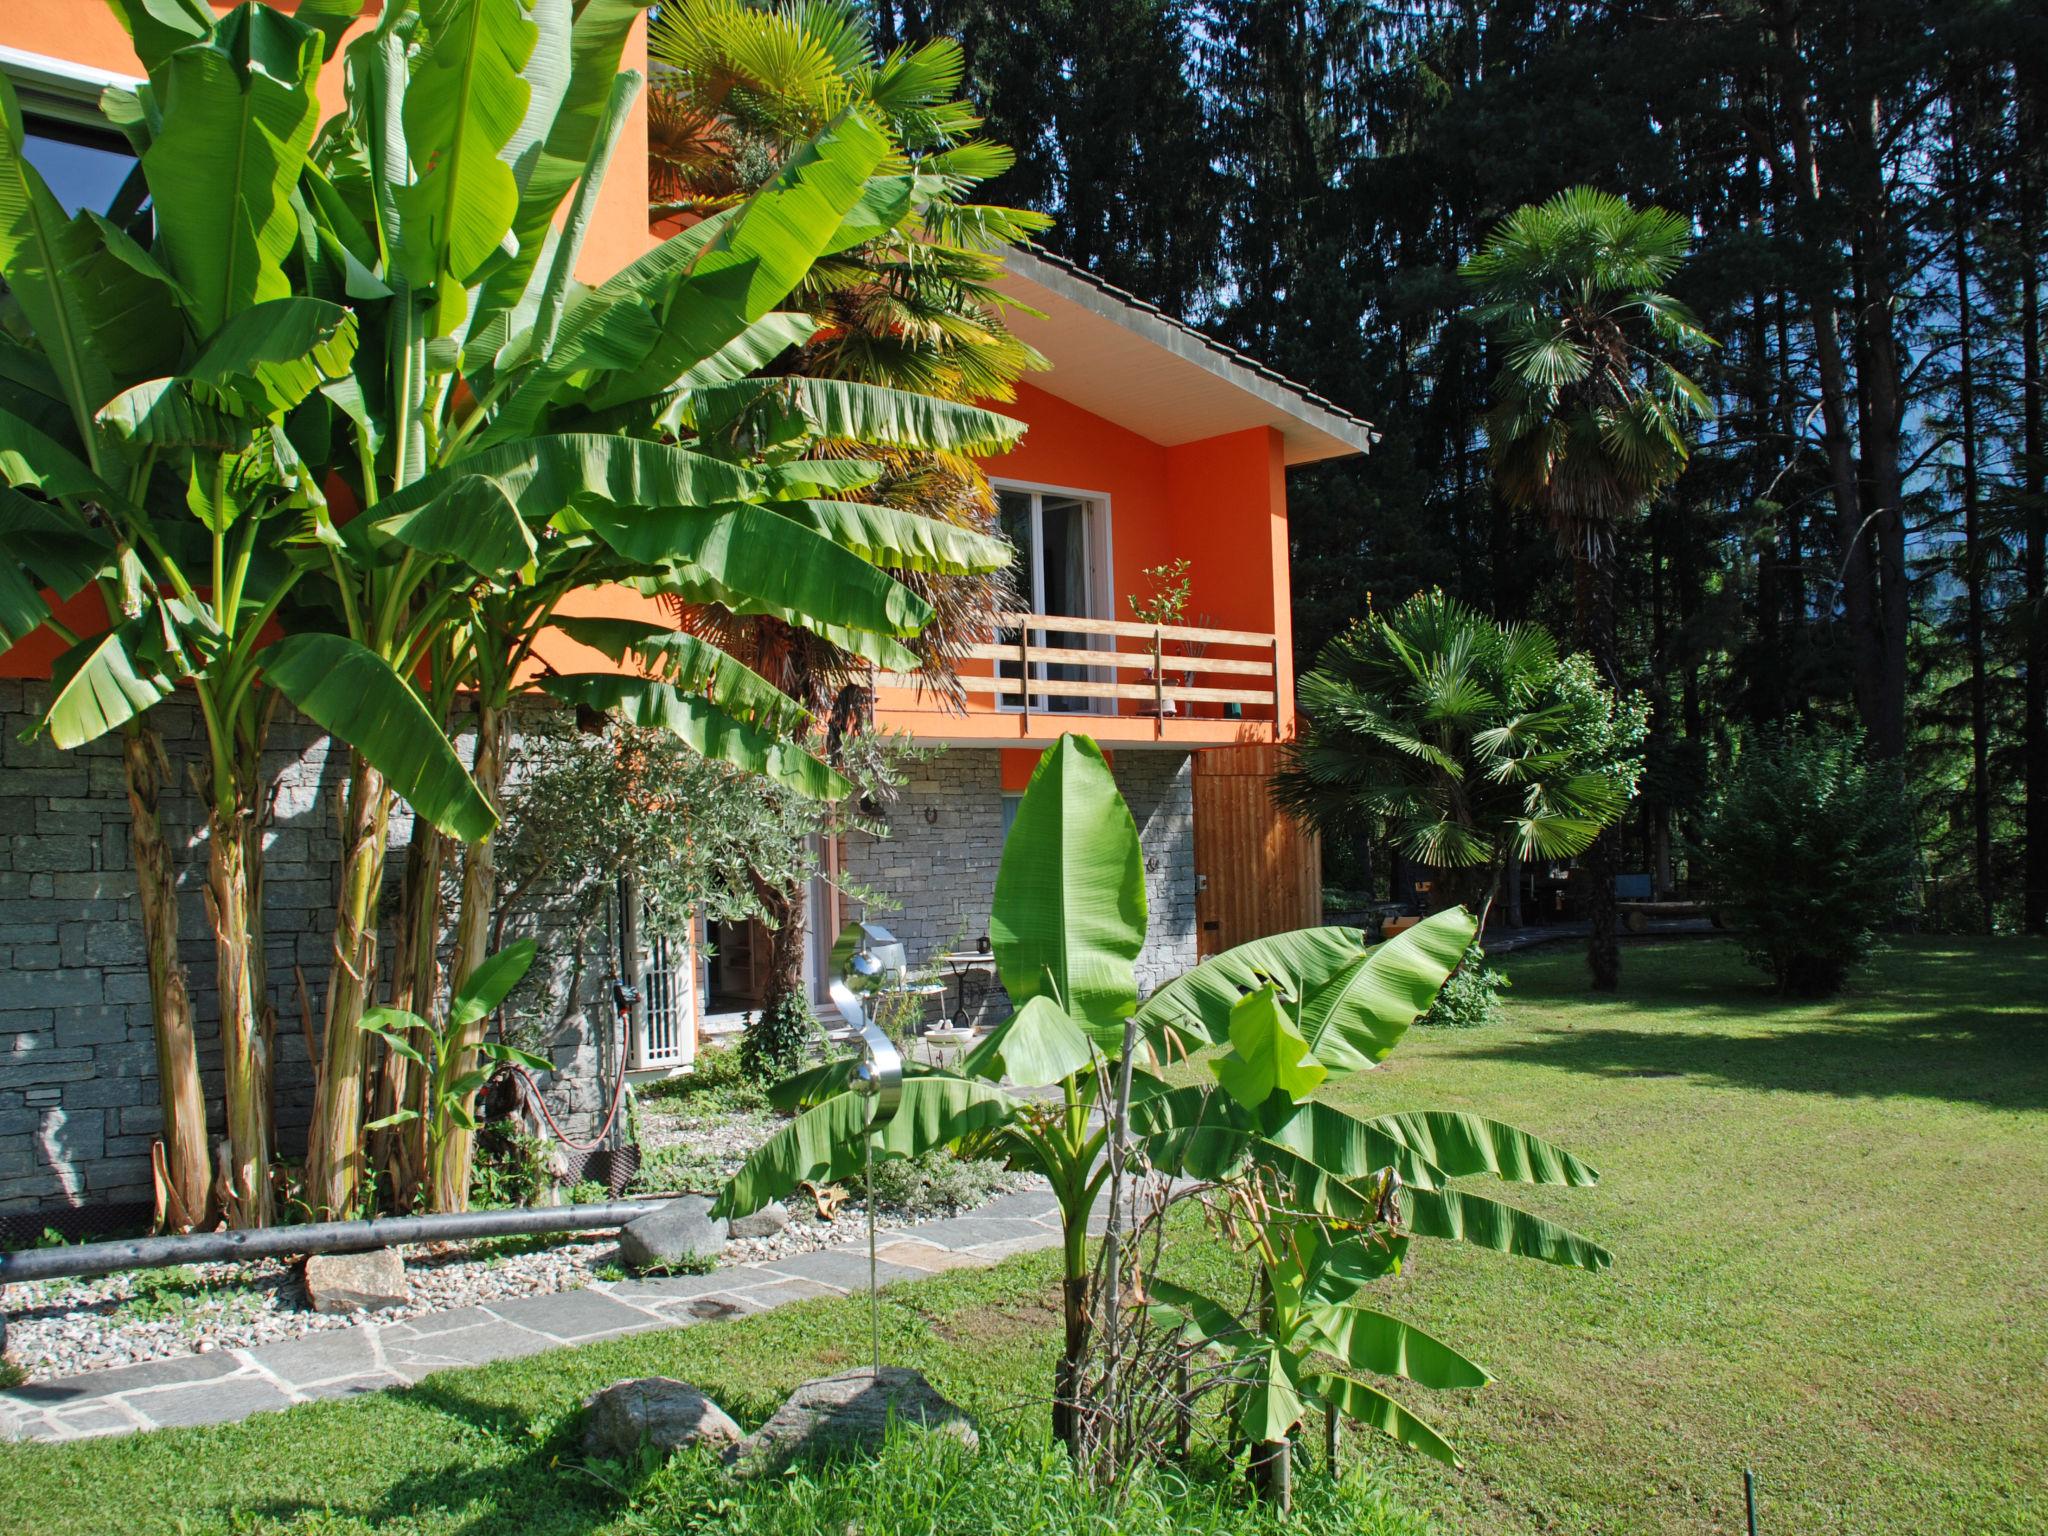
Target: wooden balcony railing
(1157, 667)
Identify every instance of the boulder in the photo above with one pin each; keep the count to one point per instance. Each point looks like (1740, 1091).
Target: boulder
(656, 1411)
(848, 1414)
(765, 1222)
(677, 1232)
(355, 1282)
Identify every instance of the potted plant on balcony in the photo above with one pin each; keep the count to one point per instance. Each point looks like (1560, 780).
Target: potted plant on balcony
(1167, 605)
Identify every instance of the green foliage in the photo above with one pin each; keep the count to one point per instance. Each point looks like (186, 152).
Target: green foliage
(179, 1295)
(777, 1038)
(1168, 602)
(718, 1082)
(1463, 739)
(936, 1182)
(1471, 998)
(510, 1168)
(1809, 852)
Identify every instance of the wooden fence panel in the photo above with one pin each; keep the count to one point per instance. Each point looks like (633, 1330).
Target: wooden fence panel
(1258, 871)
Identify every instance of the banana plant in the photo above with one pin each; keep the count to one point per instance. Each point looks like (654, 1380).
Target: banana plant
(446, 1056)
(383, 309)
(1325, 1202)
(1067, 923)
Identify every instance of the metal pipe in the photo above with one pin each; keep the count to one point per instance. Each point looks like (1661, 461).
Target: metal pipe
(316, 1237)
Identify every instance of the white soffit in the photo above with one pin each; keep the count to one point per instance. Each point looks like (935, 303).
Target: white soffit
(1132, 364)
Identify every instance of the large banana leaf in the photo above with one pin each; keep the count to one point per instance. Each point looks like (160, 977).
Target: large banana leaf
(97, 685)
(49, 545)
(352, 692)
(158, 28)
(39, 257)
(22, 609)
(753, 551)
(1194, 1131)
(29, 456)
(756, 259)
(596, 44)
(465, 102)
(1356, 1017)
(1199, 1319)
(238, 115)
(1386, 1346)
(542, 475)
(1456, 1216)
(168, 413)
(1270, 1398)
(1348, 1147)
(861, 413)
(689, 584)
(271, 356)
(1068, 919)
(710, 732)
(491, 983)
(1036, 1045)
(902, 540)
(1367, 1405)
(824, 1144)
(1193, 1010)
(695, 666)
(1459, 1143)
(1268, 1055)
(473, 521)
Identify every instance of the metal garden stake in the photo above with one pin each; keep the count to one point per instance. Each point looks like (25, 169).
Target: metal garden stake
(879, 1079)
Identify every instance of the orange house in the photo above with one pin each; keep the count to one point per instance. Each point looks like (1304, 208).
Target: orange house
(1147, 443)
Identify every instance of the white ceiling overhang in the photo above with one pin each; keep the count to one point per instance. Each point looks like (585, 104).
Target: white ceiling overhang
(1131, 364)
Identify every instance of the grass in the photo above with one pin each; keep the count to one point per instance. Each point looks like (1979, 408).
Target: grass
(1830, 1224)
(1831, 1229)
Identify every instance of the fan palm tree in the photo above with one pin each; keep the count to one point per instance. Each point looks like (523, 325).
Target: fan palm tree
(1463, 739)
(737, 88)
(1590, 415)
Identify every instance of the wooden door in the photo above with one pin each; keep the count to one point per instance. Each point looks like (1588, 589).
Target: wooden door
(1257, 871)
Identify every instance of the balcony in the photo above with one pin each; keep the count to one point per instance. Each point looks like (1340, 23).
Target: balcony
(1118, 679)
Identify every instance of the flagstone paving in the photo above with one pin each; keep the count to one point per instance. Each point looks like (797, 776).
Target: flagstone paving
(234, 1383)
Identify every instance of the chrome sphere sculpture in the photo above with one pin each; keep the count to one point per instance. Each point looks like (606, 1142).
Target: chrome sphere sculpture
(878, 1078)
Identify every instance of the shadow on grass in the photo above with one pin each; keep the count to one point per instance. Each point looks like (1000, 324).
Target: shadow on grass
(1961, 1022)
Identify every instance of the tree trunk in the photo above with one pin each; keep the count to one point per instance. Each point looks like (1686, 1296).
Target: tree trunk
(2035, 575)
(1066, 1382)
(1973, 558)
(1593, 600)
(450, 1184)
(398, 1153)
(184, 1166)
(233, 903)
(334, 1147)
(1272, 1473)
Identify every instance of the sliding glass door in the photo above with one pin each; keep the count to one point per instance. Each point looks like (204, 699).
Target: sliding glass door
(1062, 560)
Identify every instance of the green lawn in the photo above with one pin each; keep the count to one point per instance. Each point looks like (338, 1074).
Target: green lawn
(1831, 1229)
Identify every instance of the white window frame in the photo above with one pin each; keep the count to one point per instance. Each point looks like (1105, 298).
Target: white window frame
(1102, 582)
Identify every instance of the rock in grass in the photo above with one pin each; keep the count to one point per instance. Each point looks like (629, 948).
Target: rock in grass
(355, 1282)
(848, 1414)
(656, 1411)
(765, 1222)
(679, 1233)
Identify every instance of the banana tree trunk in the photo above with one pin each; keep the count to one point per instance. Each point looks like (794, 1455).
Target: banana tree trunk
(232, 903)
(398, 1152)
(1272, 1473)
(334, 1152)
(451, 1158)
(184, 1170)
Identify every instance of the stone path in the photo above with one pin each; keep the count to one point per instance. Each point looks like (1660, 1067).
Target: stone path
(232, 1384)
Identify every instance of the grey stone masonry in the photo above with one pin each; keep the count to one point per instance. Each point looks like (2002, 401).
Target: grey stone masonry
(945, 844)
(79, 1106)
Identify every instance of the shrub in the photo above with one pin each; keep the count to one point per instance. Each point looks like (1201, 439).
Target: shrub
(934, 1182)
(1809, 853)
(717, 1083)
(1471, 997)
(509, 1168)
(775, 1039)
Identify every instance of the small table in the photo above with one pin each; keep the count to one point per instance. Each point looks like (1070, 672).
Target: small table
(964, 963)
(943, 1044)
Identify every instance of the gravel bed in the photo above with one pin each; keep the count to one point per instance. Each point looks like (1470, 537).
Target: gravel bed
(58, 1328)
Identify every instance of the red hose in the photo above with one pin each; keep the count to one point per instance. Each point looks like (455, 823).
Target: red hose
(618, 1097)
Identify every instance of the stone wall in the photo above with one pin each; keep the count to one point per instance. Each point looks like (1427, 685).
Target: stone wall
(946, 841)
(78, 1090)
